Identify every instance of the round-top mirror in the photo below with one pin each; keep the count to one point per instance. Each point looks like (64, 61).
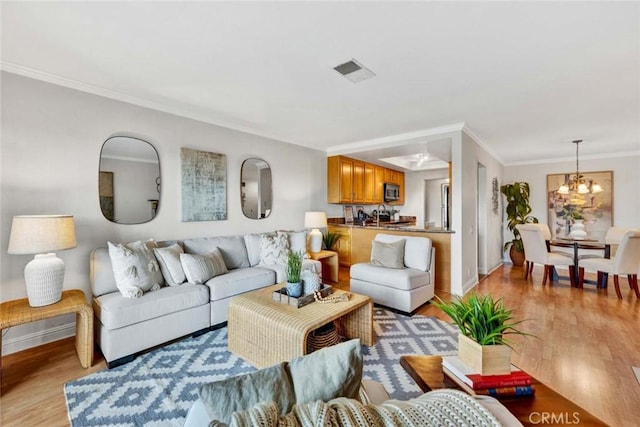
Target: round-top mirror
(129, 180)
(255, 189)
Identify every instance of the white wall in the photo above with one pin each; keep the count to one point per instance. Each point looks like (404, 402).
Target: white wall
(414, 192)
(626, 186)
(51, 140)
(433, 201)
(466, 154)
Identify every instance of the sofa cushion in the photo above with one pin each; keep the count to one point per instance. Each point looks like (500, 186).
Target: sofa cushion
(389, 255)
(115, 311)
(274, 249)
(135, 267)
(169, 260)
(200, 268)
(232, 248)
(239, 281)
(404, 279)
(417, 250)
(331, 372)
(222, 398)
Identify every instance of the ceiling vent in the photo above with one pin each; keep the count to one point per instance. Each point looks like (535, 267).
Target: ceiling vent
(354, 71)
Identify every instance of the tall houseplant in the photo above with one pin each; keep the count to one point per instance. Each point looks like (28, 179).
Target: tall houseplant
(518, 210)
(484, 326)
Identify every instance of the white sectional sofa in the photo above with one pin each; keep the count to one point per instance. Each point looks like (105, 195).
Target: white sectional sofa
(127, 326)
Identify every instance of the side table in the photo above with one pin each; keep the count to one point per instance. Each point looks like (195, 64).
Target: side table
(329, 260)
(18, 312)
(426, 371)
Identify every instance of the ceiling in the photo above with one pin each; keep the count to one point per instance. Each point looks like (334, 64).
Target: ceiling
(525, 78)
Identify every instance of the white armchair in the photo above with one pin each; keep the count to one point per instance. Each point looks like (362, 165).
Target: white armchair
(405, 288)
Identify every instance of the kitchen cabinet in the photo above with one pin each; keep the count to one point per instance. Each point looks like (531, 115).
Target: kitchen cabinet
(343, 247)
(354, 181)
(345, 180)
(373, 183)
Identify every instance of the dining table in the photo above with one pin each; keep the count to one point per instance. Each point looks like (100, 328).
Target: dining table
(585, 244)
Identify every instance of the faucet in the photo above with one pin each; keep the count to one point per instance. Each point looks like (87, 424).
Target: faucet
(378, 213)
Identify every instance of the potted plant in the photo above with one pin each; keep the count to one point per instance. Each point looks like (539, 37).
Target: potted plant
(484, 326)
(294, 267)
(518, 210)
(330, 239)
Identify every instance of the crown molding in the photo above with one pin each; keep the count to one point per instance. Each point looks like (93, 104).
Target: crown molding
(573, 158)
(484, 146)
(141, 102)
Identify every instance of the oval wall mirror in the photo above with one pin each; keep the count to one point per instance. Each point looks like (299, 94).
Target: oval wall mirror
(129, 180)
(255, 189)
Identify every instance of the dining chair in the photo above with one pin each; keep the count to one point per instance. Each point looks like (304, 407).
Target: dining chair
(626, 261)
(536, 251)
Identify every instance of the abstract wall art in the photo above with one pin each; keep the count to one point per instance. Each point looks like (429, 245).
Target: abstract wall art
(204, 185)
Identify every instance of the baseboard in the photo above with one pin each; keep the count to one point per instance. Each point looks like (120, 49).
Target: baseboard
(500, 264)
(470, 284)
(23, 342)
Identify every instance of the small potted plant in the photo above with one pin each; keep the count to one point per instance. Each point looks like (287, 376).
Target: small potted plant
(484, 326)
(330, 239)
(294, 267)
(518, 210)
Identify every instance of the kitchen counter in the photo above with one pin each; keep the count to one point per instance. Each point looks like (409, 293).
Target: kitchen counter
(401, 225)
(354, 245)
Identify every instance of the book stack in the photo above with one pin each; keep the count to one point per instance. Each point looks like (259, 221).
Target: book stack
(517, 383)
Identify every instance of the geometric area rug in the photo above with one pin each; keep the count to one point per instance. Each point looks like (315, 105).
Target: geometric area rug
(159, 387)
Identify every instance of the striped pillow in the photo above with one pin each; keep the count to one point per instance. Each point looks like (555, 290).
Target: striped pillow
(200, 268)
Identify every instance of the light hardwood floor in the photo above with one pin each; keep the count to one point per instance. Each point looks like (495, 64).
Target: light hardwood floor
(587, 343)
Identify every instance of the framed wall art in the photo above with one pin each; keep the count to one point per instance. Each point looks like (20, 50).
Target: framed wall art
(594, 207)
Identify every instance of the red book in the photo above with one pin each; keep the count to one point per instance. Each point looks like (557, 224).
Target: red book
(476, 381)
(514, 379)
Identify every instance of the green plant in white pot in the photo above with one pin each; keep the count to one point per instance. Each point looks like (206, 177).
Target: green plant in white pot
(484, 326)
(294, 267)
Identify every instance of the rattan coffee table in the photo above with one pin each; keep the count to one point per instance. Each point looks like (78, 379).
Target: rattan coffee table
(265, 332)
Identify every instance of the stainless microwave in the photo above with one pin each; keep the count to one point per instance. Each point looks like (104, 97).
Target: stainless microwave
(391, 192)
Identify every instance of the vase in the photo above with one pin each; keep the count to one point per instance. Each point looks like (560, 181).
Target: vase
(517, 257)
(577, 230)
(294, 289)
(484, 359)
(310, 282)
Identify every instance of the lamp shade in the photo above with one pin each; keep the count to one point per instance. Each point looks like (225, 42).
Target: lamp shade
(37, 234)
(315, 219)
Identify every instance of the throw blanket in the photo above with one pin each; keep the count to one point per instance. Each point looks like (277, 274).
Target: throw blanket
(434, 409)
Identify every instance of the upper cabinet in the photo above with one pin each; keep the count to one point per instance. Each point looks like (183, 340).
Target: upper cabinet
(354, 181)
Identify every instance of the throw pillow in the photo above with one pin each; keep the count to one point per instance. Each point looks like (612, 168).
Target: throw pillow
(169, 260)
(297, 241)
(223, 398)
(274, 249)
(328, 373)
(135, 267)
(389, 255)
(200, 268)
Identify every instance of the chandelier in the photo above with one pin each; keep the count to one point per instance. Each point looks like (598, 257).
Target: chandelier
(577, 183)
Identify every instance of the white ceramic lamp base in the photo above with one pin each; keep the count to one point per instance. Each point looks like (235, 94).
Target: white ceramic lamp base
(315, 240)
(44, 277)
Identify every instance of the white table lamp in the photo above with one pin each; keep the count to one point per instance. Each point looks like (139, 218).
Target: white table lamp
(41, 235)
(315, 220)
